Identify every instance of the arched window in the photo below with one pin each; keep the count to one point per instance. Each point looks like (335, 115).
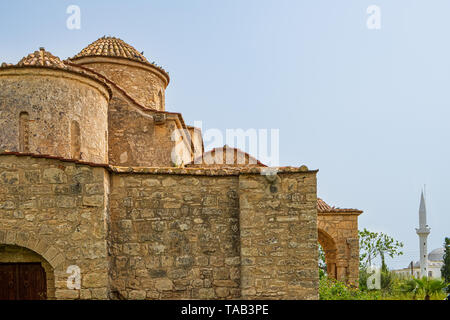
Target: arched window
(75, 140)
(24, 132)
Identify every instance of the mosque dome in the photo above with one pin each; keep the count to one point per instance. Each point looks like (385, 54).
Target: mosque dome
(436, 255)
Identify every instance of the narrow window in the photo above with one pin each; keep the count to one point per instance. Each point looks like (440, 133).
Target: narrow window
(75, 140)
(161, 101)
(24, 132)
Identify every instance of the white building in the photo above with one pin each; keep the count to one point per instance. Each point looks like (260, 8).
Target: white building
(423, 231)
(435, 263)
(429, 264)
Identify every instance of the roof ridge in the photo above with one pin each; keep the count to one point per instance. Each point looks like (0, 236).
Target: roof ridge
(323, 207)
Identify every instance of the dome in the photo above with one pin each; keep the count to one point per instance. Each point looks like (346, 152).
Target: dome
(111, 47)
(436, 255)
(42, 58)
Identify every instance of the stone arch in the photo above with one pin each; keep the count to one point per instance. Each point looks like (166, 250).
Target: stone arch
(52, 259)
(329, 247)
(341, 225)
(26, 240)
(19, 255)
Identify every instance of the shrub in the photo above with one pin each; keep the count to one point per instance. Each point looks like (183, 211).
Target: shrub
(331, 289)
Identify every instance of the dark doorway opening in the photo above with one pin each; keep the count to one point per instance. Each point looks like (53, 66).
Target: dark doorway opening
(22, 281)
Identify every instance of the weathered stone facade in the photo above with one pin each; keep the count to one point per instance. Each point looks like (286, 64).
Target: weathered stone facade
(54, 101)
(162, 233)
(131, 76)
(338, 236)
(94, 173)
(58, 210)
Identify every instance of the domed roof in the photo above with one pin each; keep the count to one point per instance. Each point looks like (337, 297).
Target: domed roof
(42, 58)
(436, 255)
(111, 47)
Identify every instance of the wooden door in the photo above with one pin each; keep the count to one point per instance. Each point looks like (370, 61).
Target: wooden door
(22, 281)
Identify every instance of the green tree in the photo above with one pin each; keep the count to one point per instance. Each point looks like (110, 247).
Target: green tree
(446, 267)
(374, 244)
(322, 263)
(425, 286)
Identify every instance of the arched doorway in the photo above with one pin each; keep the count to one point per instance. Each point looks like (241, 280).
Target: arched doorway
(24, 275)
(329, 247)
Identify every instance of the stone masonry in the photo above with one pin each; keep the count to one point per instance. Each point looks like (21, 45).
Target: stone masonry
(96, 174)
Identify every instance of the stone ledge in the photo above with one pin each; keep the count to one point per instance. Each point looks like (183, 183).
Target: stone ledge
(167, 170)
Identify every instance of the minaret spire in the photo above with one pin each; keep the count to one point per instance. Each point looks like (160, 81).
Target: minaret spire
(423, 231)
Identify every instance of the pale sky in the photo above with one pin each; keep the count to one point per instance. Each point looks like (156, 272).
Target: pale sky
(368, 108)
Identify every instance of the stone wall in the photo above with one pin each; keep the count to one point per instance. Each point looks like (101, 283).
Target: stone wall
(53, 101)
(175, 236)
(213, 236)
(144, 83)
(135, 138)
(278, 225)
(163, 233)
(57, 210)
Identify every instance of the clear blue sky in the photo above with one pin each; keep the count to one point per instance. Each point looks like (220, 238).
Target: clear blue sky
(369, 108)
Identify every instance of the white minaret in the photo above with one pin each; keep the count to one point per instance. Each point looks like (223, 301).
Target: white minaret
(423, 233)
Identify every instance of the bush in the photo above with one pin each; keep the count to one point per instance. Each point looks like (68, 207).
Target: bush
(394, 289)
(331, 289)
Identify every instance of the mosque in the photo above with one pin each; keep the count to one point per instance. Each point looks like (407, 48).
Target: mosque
(429, 264)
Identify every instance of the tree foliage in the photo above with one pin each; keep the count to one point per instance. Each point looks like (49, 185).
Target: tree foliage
(374, 244)
(445, 271)
(425, 286)
(322, 263)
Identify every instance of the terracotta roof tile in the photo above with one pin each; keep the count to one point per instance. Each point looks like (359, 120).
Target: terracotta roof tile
(111, 47)
(323, 207)
(42, 58)
(114, 47)
(240, 159)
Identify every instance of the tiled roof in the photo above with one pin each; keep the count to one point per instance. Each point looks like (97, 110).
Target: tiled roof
(42, 58)
(115, 47)
(240, 159)
(323, 207)
(111, 47)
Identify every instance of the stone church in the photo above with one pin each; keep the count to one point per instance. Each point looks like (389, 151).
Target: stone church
(93, 206)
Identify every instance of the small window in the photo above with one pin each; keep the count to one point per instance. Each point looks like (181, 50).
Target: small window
(75, 140)
(161, 100)
(430, 274)
(24, 132)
